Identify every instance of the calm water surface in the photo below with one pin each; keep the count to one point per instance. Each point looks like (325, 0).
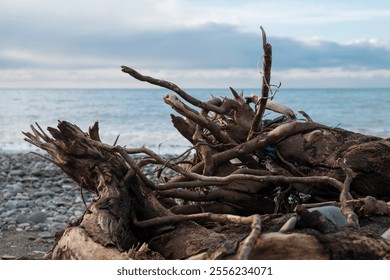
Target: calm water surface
(142, 118)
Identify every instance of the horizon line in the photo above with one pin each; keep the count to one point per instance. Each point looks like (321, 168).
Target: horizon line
(184, 88)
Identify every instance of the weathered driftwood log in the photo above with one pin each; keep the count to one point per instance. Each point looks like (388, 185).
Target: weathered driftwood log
(128, 212)
(242, 194)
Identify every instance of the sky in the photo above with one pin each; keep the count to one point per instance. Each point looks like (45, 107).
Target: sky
(195, 44)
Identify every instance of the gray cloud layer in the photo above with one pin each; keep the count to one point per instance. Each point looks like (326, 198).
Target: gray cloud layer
(206, 47)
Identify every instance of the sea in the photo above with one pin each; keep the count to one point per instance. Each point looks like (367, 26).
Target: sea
(141, 118)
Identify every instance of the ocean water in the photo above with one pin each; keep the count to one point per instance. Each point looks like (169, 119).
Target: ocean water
(141, 117)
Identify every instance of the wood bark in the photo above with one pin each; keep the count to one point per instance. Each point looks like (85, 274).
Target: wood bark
(245, 192)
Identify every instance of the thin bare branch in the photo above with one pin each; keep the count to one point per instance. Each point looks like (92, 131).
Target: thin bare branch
(352, 218)
(250, 242)
(267, 62)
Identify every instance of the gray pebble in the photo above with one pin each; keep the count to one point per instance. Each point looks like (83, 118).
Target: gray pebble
(36, 172)
(9, 213)
(15, 188)
(61, 218)
(67, 187)
(21, 219)
(45, 234)
(78, 213)
(16, 172)
(21, 203)
(30, 179)
(23, 225)
(78, 199)
(55, 227)
(36, 228)
(386, 234)
(72, 219)
(11, 204)
(38, 217)
(43, 193)
(333, 214)
(45, 184)
(43, 226)
(7, 195)
(21, 197)
(11, 227)
(59, 202)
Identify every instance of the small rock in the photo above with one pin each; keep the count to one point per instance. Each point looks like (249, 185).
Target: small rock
(8, 257)
(9, 213)
(59, 202)
(35, 228)
(11, 204)
(16, 172)
(78, 213)
(14, 188)
(38, 240)
(9, 220)
(73, 219)
(61, 218)
(21, 197)
(67, 187)
(21, 219)
(43, 226)
(38, 217)
(55, 227)
(39, 252)
(7, 195)
(11, 227)
(30, 179)
(45, 235)
(45, 184)
(31, 204)
(36, 172)
(386, 234)
(43, 193)
(31, 238)
(21, 203)
(333, 214)
(24, 225)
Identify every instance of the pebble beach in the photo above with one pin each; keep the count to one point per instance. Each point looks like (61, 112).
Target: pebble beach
(36, 197)
(36, 200)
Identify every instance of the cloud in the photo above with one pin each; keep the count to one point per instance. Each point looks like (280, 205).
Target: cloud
(208, 47)
(239, 78)
(333, 77)
(199, 40)
(291, 53)
(131, 17)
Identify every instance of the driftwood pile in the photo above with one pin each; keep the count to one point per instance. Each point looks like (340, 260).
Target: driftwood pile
(246, 189)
